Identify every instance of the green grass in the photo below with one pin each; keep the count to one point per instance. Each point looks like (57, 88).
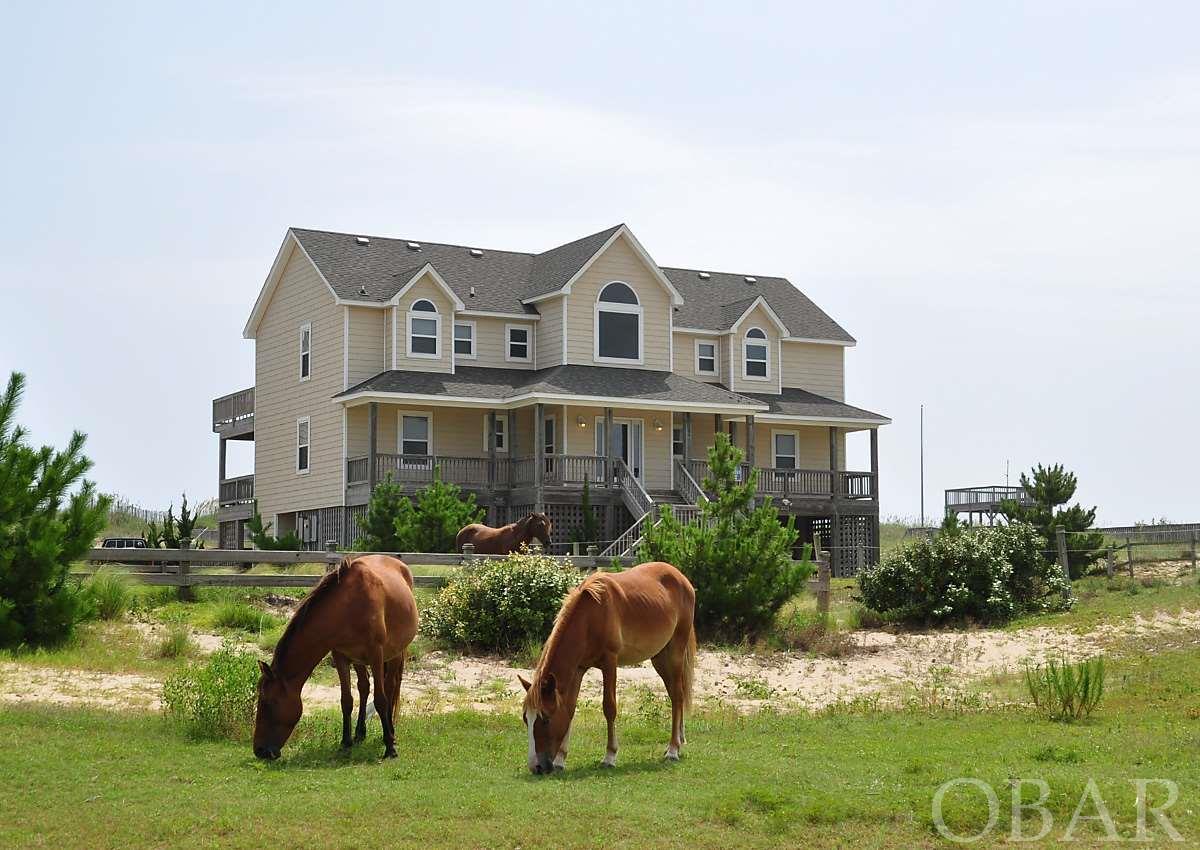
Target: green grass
(1102, 601)
(843, 778)
(104, 647)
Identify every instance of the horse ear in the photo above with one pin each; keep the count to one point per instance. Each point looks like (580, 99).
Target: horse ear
(524, 684)
(548, 686)
(266, 669)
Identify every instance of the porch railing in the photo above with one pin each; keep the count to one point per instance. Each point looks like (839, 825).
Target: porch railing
(236, 491)
(783, 482)
(633, 494)
(964, 497)
(231, 409)
(686, 485)
(477, 471)
(573, 469)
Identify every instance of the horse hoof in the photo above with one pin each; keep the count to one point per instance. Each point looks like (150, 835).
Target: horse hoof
(671, 756)
(346, 745)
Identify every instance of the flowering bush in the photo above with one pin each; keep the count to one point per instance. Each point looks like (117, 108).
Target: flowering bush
(500, 605)
(989, 575)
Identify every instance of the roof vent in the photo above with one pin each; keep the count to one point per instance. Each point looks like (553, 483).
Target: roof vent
(472, 292)
(362, 240)
(751, 279)
(414, 246)
(475, 252)
(362, 290)
(704, 275)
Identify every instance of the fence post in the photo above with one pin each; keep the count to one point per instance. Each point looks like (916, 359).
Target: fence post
(1129, 554)
(1193, 550)
(823, 573)
(1111, 569)
(468, 554)
(1061, 535)
(185, 569)
(330, 547)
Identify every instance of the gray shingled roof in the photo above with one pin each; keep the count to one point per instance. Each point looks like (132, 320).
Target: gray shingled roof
(796, 402)
(503, 278)
(480, 382)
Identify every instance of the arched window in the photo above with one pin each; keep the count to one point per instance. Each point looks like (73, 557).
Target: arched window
(756, 364)
(618, 325)
(424, 330)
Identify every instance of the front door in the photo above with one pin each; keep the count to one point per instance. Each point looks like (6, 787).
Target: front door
(627, 443)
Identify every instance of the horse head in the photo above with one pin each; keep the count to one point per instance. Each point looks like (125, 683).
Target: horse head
(537, 527)
(547, 712)
(278, 712)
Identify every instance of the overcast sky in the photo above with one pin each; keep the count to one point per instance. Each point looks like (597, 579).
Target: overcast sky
(999, 201)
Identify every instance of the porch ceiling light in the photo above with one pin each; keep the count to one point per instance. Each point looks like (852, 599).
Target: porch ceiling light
(580, 421)
(658, 426)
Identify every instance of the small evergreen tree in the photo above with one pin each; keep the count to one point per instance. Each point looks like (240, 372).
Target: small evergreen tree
(186, 524)
(260, 535)
(170, 538)
(432, 522)
(738, 557)
(43, 528)
(589, 530)
(152, 535)
(1050, 487)
(378, 528)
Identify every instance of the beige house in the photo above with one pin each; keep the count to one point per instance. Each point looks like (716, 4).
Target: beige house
(519, 376)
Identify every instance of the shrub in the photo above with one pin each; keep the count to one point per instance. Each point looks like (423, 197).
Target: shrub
(809, 631)
(176, 643)
(216, 698)
(431, 521)
(242, 615)
(987, 575)
(500, 605)
(1049, 487)
(109, 593)
(49, 517)
(260, 535)
(378, 525)
(738, 557)
(1066, 691)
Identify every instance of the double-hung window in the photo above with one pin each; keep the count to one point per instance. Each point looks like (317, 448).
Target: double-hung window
(305, 351)
(519, 344)
(677, 441)
(618, 325)
(414, 434)
(302, 445)
(706, 357)
(755, 363)
(424, 330)
(499, 435)
(464, 340)
(785, 449)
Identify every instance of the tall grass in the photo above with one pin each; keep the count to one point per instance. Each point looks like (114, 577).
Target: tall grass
(110, 593)
(1065, 691)
(243, 616)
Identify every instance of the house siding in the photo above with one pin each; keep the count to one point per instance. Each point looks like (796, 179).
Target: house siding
(758, 318)
(685, 357)
(657, 444)
(425, 287)
(619, 262)
(491, 340)
(817, 368)
(550, 333)
(368, 355)
(281, 398)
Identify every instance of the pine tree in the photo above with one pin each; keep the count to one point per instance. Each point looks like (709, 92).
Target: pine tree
(738, 557)
(186, 524)
(170, 537)
(44, 526)
(1049, 488)
(431, 522)
(589, 530)
(378, 527)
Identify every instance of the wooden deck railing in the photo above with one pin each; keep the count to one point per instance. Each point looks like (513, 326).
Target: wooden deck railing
(236, 491)
(477, 471)
(965, 497)
(573, 469)
(233, 408)
(803, 483)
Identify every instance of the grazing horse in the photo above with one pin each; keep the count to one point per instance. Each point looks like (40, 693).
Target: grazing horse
(364, 613)
(612, 619)
(506, 539)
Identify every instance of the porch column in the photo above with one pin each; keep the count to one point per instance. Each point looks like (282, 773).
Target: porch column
(750, 440)
(513, 443)
(539, 455)
(491, 444)
(372, 446)
(833, 464)
(687, 438)
(221, 468)
(875, 463)
(716, 426)
(608, 441)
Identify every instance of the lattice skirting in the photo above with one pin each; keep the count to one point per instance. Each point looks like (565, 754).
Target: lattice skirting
(856, 545)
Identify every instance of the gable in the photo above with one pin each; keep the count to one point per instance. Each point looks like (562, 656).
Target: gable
(290, 261)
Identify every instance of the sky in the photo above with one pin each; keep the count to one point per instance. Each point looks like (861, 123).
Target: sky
(999, 201)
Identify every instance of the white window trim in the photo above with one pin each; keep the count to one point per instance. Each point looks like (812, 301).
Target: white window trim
(474, 340)
(765, 343)
(553, 420)
(508, 343)
(610, 307)
(795, 435)
(307, 326)
(307, 422)
(500, 417)
(408, 337)
(400, 414)
(716, 357)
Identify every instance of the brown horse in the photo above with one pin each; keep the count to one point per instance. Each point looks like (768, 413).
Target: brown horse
(612, 619)
(507, 538)
(364, 613)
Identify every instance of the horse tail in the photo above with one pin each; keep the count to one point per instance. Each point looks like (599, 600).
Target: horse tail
(689, 665)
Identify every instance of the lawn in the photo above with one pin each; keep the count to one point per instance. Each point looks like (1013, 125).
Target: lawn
(82, 778)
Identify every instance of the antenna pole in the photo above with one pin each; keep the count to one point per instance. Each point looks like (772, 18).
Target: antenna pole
(922, 466)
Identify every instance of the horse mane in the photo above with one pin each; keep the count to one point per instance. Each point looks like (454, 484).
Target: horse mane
(593, 587)
(304, 609)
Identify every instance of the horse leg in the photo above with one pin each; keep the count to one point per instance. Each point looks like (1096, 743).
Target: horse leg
(395, 676)
(609, 670)
(669, 664)
(364, 691)
(381, 705)
(342, 665)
